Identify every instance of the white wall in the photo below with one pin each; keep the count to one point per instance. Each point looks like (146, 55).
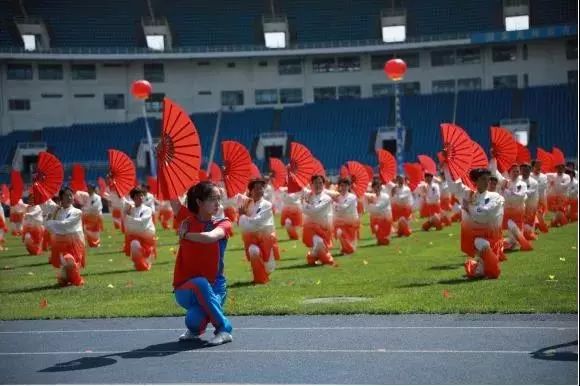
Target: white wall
(184, 79)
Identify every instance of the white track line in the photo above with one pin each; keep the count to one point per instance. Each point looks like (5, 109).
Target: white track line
(270, 351)
(305, 329)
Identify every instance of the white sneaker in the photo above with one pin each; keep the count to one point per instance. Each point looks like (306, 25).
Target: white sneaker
(221, 338)
(188, 335)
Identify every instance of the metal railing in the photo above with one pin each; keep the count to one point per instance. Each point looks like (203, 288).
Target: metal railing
(31, 145)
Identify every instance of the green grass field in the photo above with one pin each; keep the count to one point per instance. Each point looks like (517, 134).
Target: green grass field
(421, 274)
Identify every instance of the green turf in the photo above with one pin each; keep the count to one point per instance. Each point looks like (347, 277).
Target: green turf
(420, 274)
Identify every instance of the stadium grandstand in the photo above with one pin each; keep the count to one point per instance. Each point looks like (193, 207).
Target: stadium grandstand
(267, 72)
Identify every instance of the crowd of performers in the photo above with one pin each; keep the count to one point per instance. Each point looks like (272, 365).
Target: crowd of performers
(502, 212)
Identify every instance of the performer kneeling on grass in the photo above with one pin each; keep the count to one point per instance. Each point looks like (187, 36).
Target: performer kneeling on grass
(198, 280)
(68, 240)
(140, 242)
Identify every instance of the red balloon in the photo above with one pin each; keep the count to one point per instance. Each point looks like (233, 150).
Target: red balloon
(395, 69)
(141, 89)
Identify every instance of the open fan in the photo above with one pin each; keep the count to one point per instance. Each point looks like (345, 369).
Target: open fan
(370, 171)
(504, 148)
(102, 185)
(358, 176)
(414, 172)
(47, 179)
(457, 150)
(301, 168)
(318, 168)
(255, 171)
(387, 165)
(121, 172)
(546, 159)
(203, 176)
(427, 164)
(237, 167)
(152, 182)
(558, 157)
(215, 173)
(78, 178)
(178, 153)
(4, 194)
(479, 162)
(278, 172)
(523, 156)
(16, 187)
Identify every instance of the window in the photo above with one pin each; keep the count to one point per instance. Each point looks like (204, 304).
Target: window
(442, 86)
(83, 72)
(50, 72)
(324, 93)
(266, 97)
(442, 58)
(231, 65)
(324, 65)
(203, 63)
(573, 78)
(526, 81)
(388, 89)
(349, 92)
(233, 98)
(51, 96)
(394, 33)
(84, 95)
(290, 95)
(114, 101)
(505, 81)
(410, 58)
(16, 71)
(504, 53)
(31, 42)
(263, 63)
(348, 64)
(290, 66)
(18, 104)
(154, 104)
(525, 52)
(469, 84)
(204, 92)
(154, 72)
(112, 65)
(572, 49)
(468, 56)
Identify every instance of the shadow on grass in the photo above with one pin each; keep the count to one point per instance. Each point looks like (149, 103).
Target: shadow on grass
(445, 267)
(31, 265)
(3, 256)
(550, 353)
(109, 272)
(33, 289)
(299, 266)
(241, 284)
(369, 245)
(153, 351)
(462, 280)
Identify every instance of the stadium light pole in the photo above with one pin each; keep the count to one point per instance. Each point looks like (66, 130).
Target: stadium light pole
(141, 90)
(214, 140)
(152, 166)
(395, 70)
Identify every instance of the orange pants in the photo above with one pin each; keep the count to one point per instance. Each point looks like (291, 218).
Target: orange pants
(382, 228)
(68, 252)
(557, 204)
(573, 209)
(118, 219)
(433, 212)
(93, 225)
(346, 232)
(322, 254)
(141, 256)
(490, 256)
(165, 215)
(294, 214)
(16, 222)
(514, 214)
(46, 240)
(268, 248)
(402, 215)
(32, 237)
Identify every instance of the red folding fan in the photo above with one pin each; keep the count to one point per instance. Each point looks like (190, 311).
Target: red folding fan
(546, 160)
(414, 172)
(178, 153)
(215, 173)
(237, 167)
(16, 187)
(387, 165)
(47, 179)
(301, 168)
(504, 148)
(457, 150)
(318, 168)
(558, 157)
(358, 176)
(121, 172)
(78, 178)
(278, 172)
(427, 164)
(255, 171)
(102, 185)
(152, 182)
(479, 161)
(523, 156)
(4, 194)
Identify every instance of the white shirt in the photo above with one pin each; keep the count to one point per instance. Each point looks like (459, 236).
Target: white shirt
(139, 220)
(291, 199)
(258, 218)
(379, 206)
(558, 184)
(514, 192)
(149, 200)
(93, 205)
(317, 209)
(67, 221)
(33, 215)
(542, 180)
(345, 207)
(48, 208)
(429, 192)
(573, 188)
(533, 195)
(402, 196)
